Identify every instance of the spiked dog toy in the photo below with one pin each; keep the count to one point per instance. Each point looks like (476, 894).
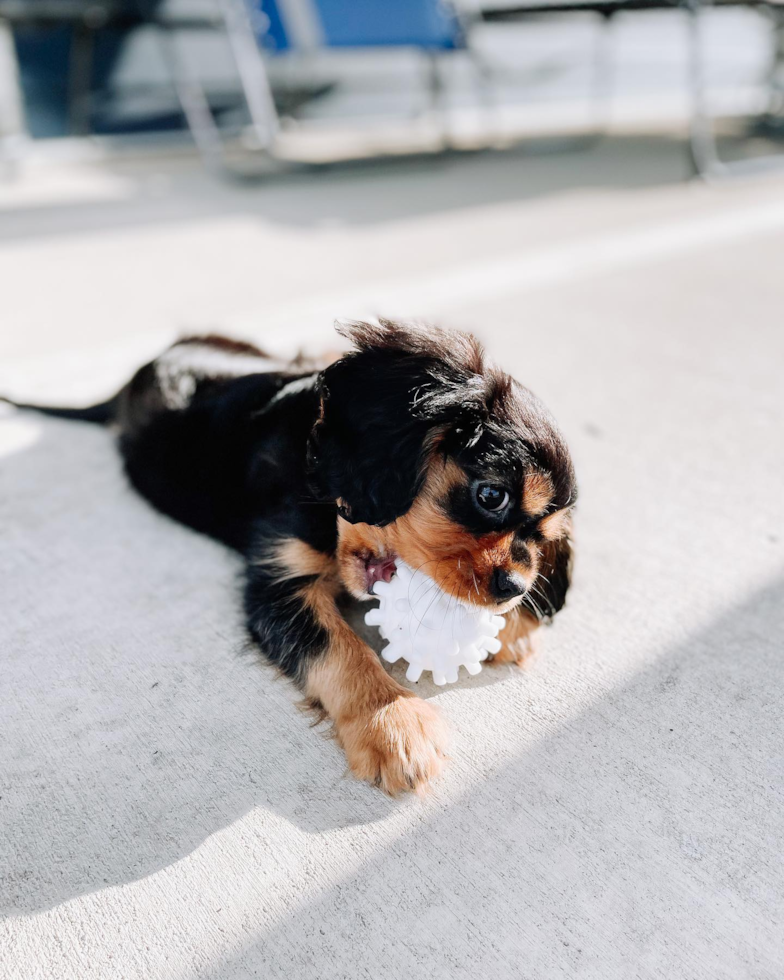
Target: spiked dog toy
(430, 629)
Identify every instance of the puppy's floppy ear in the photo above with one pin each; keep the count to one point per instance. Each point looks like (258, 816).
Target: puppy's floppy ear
(368, 449)
(555, 576)
(381, 406)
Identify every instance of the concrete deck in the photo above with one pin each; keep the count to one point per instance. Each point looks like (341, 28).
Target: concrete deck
(612, 812)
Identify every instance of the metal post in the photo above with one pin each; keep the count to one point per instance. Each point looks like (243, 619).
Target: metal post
(702, 141)
(253, 75)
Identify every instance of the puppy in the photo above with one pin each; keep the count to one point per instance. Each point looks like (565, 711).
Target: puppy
(411, 446)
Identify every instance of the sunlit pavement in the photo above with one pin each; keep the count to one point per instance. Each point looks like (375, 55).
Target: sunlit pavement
(614, 810)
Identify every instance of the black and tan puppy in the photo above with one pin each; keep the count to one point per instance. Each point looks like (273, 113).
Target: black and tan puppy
(411, 445)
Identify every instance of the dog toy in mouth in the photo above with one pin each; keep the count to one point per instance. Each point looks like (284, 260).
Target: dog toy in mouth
(430, 629)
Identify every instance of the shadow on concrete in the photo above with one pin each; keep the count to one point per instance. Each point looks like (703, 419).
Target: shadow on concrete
(641, 839)
(134, 722)
(368, 193)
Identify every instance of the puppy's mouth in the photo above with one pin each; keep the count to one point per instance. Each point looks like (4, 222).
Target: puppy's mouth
(378, 569)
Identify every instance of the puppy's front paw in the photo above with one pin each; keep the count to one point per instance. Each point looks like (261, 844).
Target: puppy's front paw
(397, 746)
(519, 639)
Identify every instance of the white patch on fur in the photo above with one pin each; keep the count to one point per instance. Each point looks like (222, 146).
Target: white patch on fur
(181, 367)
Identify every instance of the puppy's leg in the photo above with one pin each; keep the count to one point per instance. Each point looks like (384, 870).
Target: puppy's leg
(391, 738)
(519, 638)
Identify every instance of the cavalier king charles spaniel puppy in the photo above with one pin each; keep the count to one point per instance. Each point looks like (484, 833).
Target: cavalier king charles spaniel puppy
(413, 445)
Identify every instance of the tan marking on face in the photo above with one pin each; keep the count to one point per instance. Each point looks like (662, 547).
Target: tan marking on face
(538, 492)
(556, 525)
(391, 738)
(427, 539)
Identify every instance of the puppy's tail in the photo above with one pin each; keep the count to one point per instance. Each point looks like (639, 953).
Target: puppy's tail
(102, 413)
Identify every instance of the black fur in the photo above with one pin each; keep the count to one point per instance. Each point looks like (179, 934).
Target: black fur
(554, 580)
(101, 413)
(259, 455)
(232, 459)
(278, 620)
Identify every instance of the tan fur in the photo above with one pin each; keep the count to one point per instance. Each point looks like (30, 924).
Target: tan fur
(556, 525)
(357, 543)
(520, 639)
(391, 738)
(538, 492)
(425, 538)
(297, 559)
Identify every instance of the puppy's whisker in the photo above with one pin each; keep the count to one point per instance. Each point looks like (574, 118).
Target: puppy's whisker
(541, 594)
(426, 584)
(424, 615)
(437, 590)
(422, 589)
(533, 605)
(446, 612)
(432, 587)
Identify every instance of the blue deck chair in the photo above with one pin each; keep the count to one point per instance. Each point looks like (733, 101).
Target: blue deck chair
(306, 26)
(430, 25)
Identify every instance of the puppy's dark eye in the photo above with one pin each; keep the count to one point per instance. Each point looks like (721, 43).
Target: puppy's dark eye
(491, 497)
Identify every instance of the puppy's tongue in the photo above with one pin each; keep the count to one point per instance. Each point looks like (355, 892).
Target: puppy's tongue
(379, 570)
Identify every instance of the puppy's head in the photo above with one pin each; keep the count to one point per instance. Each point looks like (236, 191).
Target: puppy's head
(438, 457)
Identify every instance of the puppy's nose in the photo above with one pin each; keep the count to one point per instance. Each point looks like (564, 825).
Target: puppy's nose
(506, 585)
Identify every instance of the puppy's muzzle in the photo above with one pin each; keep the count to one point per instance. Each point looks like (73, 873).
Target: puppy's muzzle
(505, 585)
